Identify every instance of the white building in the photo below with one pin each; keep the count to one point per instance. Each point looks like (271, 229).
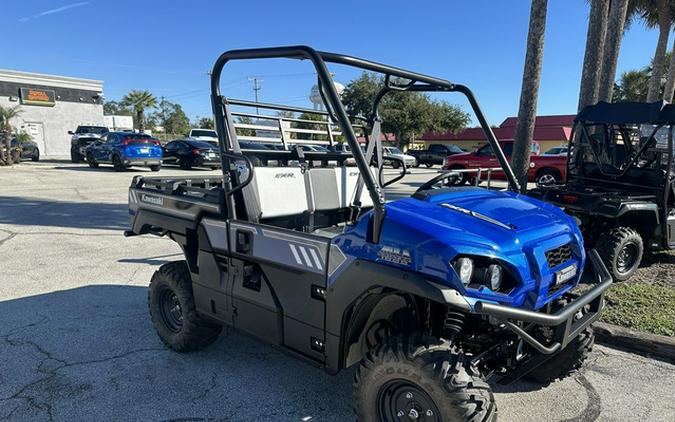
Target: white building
(51, 106)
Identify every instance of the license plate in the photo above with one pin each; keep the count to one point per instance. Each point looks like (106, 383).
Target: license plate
(144, 150)
(211, 155)
(565, 274)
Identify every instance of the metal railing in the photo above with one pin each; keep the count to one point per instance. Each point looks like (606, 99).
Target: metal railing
(286, 131)
(479, 172)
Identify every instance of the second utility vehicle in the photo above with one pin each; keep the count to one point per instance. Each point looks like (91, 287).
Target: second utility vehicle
(620, 181)
(430, 295)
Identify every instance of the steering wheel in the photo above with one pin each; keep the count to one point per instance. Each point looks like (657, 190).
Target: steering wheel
(453, 176)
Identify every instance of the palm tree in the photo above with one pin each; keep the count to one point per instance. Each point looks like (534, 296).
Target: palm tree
(669, 89)
(618, 15)
(6, 115)
(139, 101)
(595, 42)
(527, 111)
(657, 14)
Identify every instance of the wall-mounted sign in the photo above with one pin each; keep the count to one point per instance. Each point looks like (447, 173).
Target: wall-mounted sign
(39, 97)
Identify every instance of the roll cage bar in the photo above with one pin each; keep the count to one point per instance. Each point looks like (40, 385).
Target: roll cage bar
(336, 111)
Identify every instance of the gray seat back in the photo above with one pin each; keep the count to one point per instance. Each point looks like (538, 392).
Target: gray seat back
(322, 189)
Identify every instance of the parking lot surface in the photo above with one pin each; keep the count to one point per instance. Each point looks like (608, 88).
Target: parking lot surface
(77, 344)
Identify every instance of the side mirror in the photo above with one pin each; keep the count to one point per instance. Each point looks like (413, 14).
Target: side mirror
(70, 132)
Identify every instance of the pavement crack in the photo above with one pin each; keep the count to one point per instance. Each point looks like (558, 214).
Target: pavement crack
(212, 385)
(8, 238)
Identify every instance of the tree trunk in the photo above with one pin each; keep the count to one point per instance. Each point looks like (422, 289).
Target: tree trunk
(658, 63)
(595, 41)
(4, 148)
(527, 111)
(615, 25)
(669, 89)
(141, 120)
(8, 156)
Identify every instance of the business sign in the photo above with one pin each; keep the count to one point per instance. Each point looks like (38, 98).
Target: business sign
(39, 97)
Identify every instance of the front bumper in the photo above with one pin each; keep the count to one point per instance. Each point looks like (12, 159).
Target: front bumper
(567, 323)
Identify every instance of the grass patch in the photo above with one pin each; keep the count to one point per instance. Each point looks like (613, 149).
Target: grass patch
(643, 307)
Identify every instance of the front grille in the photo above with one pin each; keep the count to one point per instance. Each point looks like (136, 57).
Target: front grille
(559, 255)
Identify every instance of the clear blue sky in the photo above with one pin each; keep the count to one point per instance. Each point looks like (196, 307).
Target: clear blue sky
(168, 46)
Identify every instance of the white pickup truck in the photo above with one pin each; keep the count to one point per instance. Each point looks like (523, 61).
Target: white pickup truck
(207, 135)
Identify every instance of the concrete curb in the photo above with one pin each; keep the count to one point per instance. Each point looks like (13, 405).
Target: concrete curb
(651, 345)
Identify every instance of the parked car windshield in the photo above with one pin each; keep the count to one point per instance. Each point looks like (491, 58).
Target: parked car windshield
(211, 133)
(99, 130)
(393, 150)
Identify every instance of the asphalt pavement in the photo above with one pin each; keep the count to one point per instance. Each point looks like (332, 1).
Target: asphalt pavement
(77, 344)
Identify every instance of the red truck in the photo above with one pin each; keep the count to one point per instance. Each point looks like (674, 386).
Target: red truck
(544, 170)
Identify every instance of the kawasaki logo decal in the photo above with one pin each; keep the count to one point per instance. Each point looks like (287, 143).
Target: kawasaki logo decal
(155, 200)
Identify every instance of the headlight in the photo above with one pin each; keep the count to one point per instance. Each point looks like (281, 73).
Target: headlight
(464, 268)
(494, 273)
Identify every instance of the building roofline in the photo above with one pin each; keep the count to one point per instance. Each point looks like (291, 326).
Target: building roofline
(50, 80)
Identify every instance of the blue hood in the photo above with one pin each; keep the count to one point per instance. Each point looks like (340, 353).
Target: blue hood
(436, 227)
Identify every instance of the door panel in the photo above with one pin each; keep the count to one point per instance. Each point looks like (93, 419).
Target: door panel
(277, 279)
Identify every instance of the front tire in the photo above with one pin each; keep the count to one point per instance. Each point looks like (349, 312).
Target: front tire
(429, 165)
(91, 161)
(173, 313)
(155, 167)
(423, 378)
(75, 156)
(566, 362)
(36, 155)
(621, 250)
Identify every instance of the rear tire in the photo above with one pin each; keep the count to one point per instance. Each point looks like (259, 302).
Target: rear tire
(547, 177)
(155, 167)
(429, 165)
(420, 377)
(117, 163)
(185, 163)
(462, 180)
(36, 156)
(621, 250)
(173, 313)
(416, 164)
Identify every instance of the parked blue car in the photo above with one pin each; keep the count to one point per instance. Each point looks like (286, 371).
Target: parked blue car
(124, 150)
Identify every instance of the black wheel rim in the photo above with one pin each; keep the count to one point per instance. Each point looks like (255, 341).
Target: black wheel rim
(627, 258)
(170, 310)
(400, 400)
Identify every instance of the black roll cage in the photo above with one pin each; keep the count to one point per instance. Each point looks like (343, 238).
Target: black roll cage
(335, 109)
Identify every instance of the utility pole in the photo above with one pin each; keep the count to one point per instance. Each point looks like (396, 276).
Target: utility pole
(256, 87)
(163, 111)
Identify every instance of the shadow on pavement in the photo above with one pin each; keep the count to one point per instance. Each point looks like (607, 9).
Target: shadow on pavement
(151, 260)
(91, 353)
(16, 210)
